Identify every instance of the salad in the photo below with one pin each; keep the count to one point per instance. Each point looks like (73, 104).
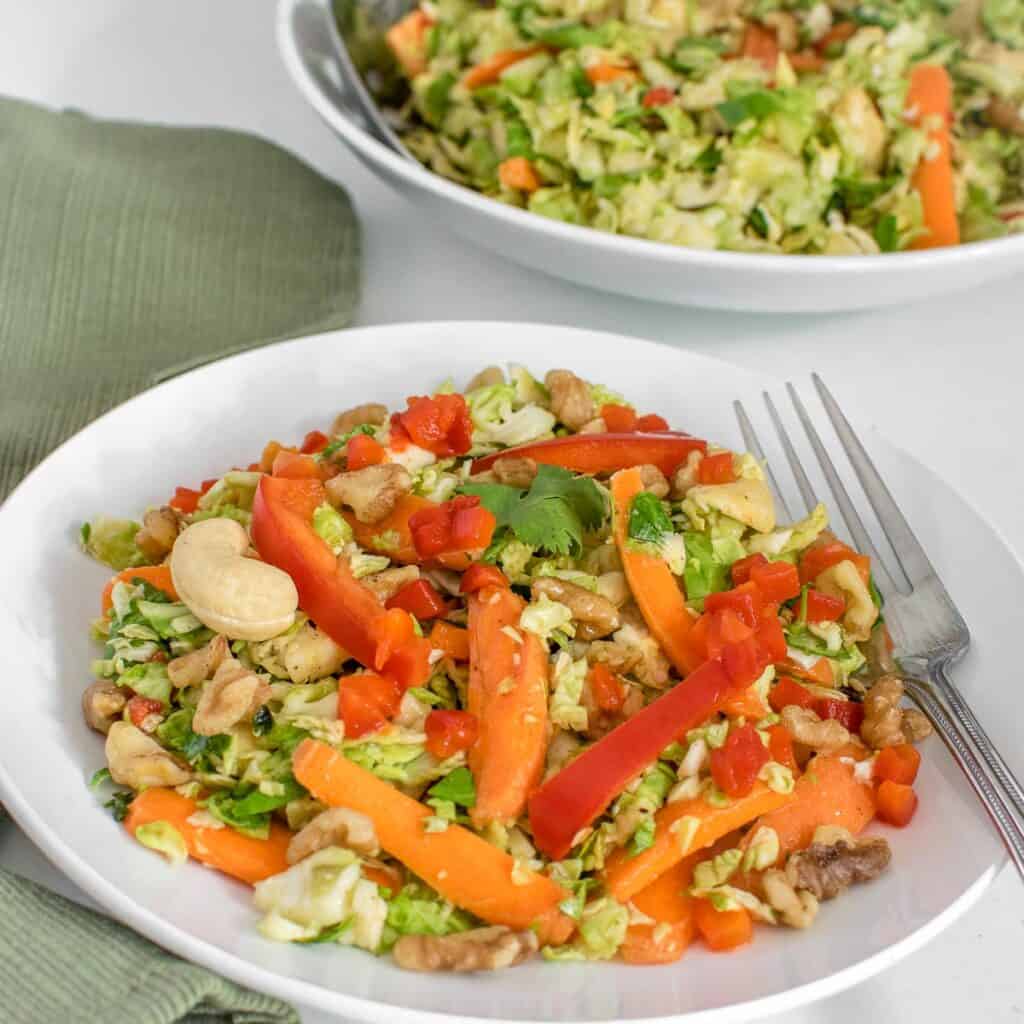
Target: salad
(510, 671)
(778, 126)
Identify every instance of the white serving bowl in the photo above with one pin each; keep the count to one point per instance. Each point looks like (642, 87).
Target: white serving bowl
(631, 266)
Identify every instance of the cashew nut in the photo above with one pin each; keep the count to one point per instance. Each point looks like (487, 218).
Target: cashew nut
(749, 501)
(915, 726)
(488, 377)
(797, 909)
(137, 760)
(483, 949)
(515, 470)
(845, 581)
(101, 704)
(371, 492)
(160, 527)
(653, 481)
(197, 665)
(686, 476)
(243, 598)
(338, 826)
(570, 398)
(388, 582)
(372, 413)
(807, 728)
(614, 586)
(232, 694)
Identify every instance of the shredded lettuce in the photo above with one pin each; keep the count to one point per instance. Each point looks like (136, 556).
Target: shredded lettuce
(112, 542)
(565, 709)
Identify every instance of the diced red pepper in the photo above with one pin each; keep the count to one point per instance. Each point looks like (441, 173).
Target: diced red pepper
(480, 575)
(619, 419)
(898, 764)
(771, 636)
(896, 803)
(847, 713)
(420, 598)
(823, 607)
(787, 692)
(746, 601)
(453, 640)
(608, 692)
(431, 530)
(741, 569)
(571, 799)
(826, 552)
(449, 732)
(315, 441)
(777, 581)
(185, 499)
(362, 451)
(461, 524)
(410, 664)
(652, 422)
(367, 702)
(780, 746)
(441, 424)
(294, 466)
(391, 631)
(472, 527)
(745, 662)
(716, 469)
(605, 453)
(735, 765)
(140, 708)
(658, 96)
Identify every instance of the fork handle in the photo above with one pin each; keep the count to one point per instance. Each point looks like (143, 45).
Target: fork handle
(992, 800)
(1001, 771)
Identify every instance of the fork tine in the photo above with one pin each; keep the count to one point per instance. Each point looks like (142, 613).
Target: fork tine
(806, 490)
(754, 447)
(853, 521)
(911, 557)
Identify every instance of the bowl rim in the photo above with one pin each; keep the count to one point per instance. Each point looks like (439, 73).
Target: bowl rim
(766, 264)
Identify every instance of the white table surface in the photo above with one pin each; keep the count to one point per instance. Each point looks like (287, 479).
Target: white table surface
(943, 377)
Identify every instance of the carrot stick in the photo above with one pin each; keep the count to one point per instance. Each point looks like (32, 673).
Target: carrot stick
(667, 901)
(407, 40)
(489, 71)
(722, 930)
(602, 73)
(654, 587)
(460, 865)
(760, 43)
(453, 640)
(508, 694)
(518, 173)
(158, 576)
(625, 875)
(242, 857)
(930, 106)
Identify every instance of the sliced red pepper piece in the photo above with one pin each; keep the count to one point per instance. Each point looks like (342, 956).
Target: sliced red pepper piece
(823, 607)
(448, 732)
(294, 466)
(420, 598)
(315, 441)
(898, 764)
(605, 453)
(780, 746)
(441, 424)
(367, 702)
(771, 636)
(746, 601)
(570, 800)
(778, 581)
(717, 469)
(787, 692)
(619, 419)
(479, 575)
(652, 422)
(362, 451)
(741, 569)
(140, 708)
(826, 552)
(847, 713)
(461, 524)
(658, 96)
(735, 765)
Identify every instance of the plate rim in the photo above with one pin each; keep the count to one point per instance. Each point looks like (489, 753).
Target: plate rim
(304, 993)
(774, 264)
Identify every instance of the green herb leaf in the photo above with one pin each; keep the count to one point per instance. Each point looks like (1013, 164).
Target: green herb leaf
(457, 787)
(887, 233)
(648, 520)
(119, 803)
(99, 777)
(758, 221)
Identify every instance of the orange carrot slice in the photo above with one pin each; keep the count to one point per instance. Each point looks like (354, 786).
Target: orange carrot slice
(489, 71)
(518, 173)
(408, 42)
(460, 865)
(654, 587)
(158, 576)
(243, 857)
(600, 74)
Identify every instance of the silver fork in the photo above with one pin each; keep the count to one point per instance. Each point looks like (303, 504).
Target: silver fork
(928, 630)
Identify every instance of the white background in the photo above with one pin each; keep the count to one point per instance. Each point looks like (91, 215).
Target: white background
(942, 378)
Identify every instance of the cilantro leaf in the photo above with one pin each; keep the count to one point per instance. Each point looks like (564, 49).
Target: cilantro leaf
(457, 786)
(648, 520)
(552, 515)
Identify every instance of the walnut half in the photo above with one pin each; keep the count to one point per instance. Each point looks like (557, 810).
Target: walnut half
(596, 615)
(483, 949)
(826, 869)
(371, 492)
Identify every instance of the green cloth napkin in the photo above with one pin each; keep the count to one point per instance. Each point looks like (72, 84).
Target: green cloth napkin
(129, 253)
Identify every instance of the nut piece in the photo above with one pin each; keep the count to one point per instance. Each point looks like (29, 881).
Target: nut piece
(198, 665)
(594, 426)
(653, 481)
(232, 694)
(632, 649)
(861, 128)
(388, 582)
(915, 725)
(686, 476)
(601, 722)
(807, 728)
(338, 826)
(101, 704)
(160, 528)
(570, 398)
(796, 909)
(787, 30)
(614, 586)
(596, 615)
(243, 598)
(844, 580)
(883, 717)
(371, 412)
(514, 470)
(1005, 114)
(486, 378)
(137, 760)
(827, 869)
(371, 492)
(483, 949)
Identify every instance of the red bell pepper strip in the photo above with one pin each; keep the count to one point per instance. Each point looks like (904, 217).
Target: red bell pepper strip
(746, 600)
(333, 598)
(480, 575)
(419, 598)
(788, 692)
(294, 466)
(606, 687)
(605, 453)
(658, 97)
(569, 801)
(847, 713)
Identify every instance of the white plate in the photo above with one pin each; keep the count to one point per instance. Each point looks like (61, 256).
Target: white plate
(616, 263)
(221, 415)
